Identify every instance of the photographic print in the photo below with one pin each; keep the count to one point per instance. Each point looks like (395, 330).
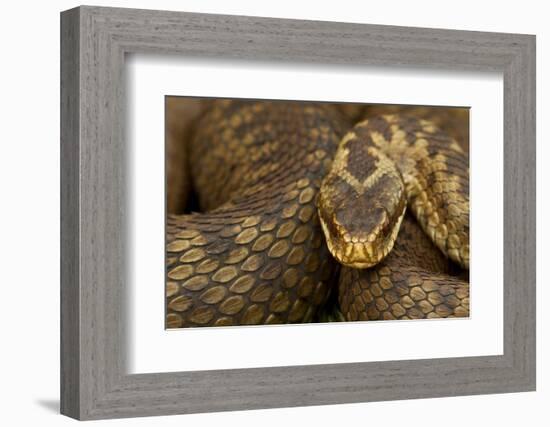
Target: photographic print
(285, 212)
(200, 197)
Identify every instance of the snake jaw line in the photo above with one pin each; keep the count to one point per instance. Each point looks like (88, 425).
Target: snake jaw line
(362, 253)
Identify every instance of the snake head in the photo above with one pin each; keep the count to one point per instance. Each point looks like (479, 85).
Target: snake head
(361, 205)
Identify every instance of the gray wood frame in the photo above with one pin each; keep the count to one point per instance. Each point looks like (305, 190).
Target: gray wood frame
(94, 41)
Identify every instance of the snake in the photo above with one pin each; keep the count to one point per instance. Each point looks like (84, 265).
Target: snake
(302, 208)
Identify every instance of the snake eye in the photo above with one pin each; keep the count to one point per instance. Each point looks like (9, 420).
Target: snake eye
(342, 216)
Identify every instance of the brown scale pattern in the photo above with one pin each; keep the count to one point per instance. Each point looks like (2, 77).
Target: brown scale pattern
(436, 175)
(453, 120)
(257, 255)
(414, 281)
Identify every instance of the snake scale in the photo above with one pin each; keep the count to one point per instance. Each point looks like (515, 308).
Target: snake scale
(278, 239)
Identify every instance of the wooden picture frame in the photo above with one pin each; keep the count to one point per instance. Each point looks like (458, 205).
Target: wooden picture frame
(94, 382)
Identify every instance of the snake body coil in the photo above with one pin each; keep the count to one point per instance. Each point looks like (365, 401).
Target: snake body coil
(258, 253)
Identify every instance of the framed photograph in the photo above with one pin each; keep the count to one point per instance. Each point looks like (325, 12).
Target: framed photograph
(261, 213)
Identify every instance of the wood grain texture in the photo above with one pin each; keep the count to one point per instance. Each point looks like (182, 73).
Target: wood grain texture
(95, 238)
(70, 313)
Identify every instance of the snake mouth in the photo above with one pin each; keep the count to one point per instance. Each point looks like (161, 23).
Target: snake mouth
(365, 252)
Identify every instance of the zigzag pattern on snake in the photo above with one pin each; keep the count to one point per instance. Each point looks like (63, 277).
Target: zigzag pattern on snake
(257, 254)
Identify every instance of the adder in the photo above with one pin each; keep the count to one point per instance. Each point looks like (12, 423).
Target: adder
(300, 209)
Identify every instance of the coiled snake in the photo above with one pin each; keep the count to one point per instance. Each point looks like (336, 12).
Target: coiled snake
(277, 212)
